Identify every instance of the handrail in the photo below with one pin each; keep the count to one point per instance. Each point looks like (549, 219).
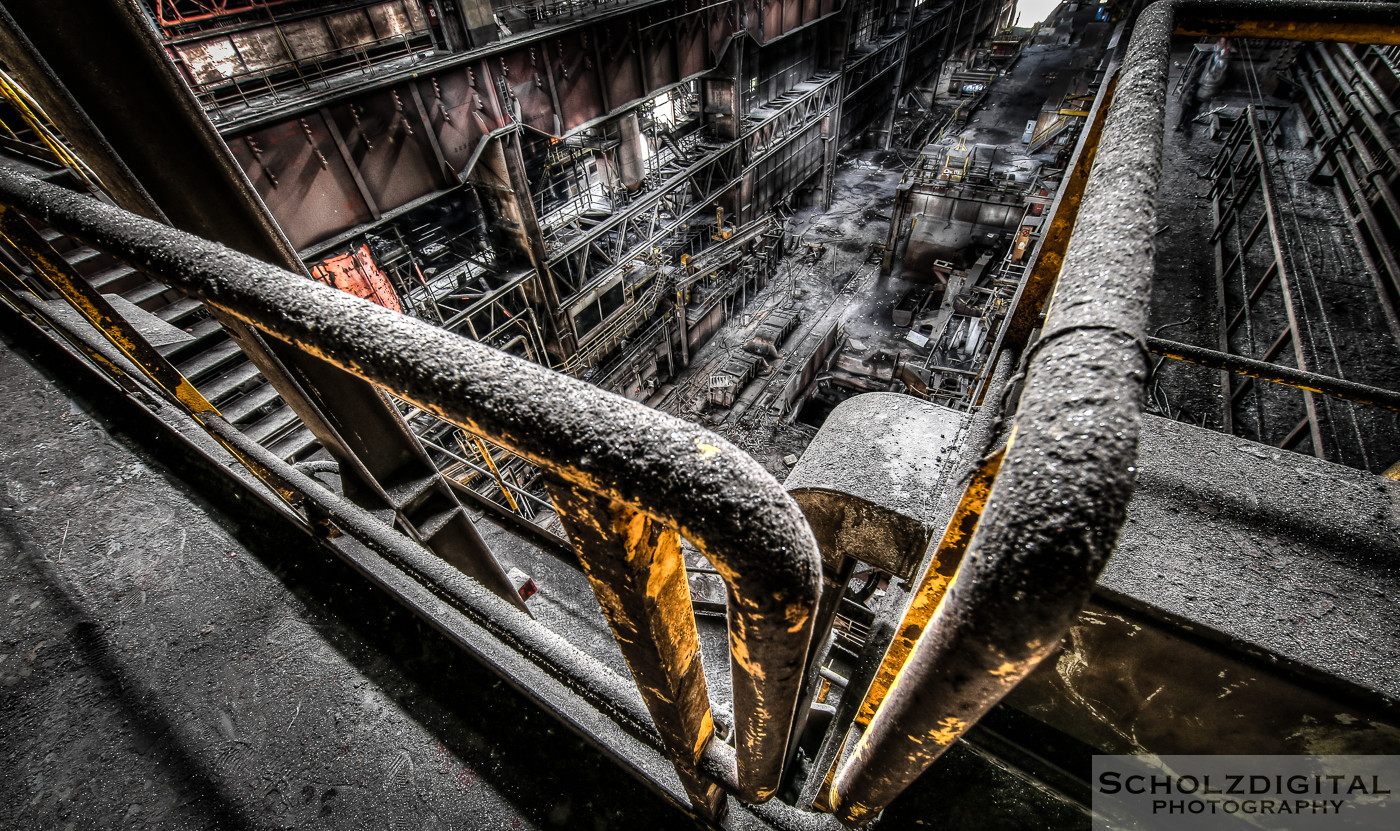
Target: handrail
(626, 477)
(636, 463)
(1061, 494)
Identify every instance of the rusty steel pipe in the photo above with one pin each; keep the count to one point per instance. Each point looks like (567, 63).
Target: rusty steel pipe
(714, 493)
(1061, 496)
(1344, 22)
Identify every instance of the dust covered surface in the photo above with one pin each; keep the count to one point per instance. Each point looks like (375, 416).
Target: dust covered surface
(1276, 553)
(170, 663)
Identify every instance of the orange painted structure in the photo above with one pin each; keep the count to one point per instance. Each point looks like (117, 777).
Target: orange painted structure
(356, 273)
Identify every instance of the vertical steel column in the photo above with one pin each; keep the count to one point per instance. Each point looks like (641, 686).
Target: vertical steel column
(512, 199)
(888, 127)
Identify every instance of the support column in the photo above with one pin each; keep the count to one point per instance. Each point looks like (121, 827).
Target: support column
(478, 20)
(888, 126)
(684, 327)
(502, 181)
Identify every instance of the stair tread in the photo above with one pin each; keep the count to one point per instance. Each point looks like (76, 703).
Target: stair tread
(206, 361)
(105, 278)
(271, 424)
(249, 403)
(294, 445)
(178, 309)
(80, 255)
(225, 385)
(145, 292)
(204, 328)
(200, 332)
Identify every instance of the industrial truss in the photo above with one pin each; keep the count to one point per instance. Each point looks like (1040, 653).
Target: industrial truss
(694, 173)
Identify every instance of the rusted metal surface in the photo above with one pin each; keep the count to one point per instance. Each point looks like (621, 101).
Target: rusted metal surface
(1054, 511)
(635, 566)
(585, 695)
(771, 21)
(123, 117)
(1048, 523)
(1071, 457)
(942, 567)
(714, 493)
(1290, 20)
(1288, 376)
(947, 557)
(1033, 293)
(413, 136)
(61, 278)
(356, 273)
(1197, 636)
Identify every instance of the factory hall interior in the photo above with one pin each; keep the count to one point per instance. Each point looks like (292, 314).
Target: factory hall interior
(745, 414)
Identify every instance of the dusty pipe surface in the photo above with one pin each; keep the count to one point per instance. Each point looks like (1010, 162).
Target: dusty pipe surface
(1061, 496)
(1057, 504)
(714, 493)
(1287, 375)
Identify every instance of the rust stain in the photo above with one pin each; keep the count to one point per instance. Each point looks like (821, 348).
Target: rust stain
(707, 730)
(797, 614)
(707, 450)
(1292, 30)
(933, 586)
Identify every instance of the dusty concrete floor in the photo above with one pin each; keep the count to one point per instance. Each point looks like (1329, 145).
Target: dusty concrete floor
(168, 662)
(172, 661)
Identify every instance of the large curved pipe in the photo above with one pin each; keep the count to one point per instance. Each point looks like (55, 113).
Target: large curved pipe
(714, 493)
(1061, 496)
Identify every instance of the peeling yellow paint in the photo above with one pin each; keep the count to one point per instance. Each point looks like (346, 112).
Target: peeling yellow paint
(707, 730)
(949, 728)
(739, 653)
(706, 450)
(857, 811)
(1004, 670)
(797, 614)
(933, 586)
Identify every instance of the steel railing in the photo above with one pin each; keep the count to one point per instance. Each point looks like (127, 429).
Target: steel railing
(1024, 550)
(626, 478)
(1062, 488)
